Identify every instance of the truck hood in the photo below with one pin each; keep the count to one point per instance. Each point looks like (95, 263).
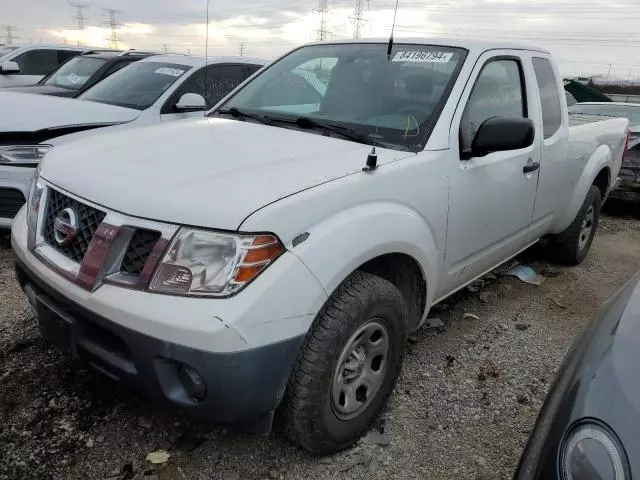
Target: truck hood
(30, 113)
(209, 172)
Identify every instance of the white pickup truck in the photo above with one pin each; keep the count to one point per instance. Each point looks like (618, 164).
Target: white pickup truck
(273, 257)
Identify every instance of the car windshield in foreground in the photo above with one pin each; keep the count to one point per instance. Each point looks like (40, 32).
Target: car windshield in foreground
(632, 113)
(137, 86)
(356, 91)
(75, 73)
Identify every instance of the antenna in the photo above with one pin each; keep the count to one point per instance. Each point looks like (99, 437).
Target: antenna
(206, 56)
(372, 158)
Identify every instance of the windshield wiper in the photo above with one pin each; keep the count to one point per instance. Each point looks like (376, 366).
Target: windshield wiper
(346, 132)
(236, 113)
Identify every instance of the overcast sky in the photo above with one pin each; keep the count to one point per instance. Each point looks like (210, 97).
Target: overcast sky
(587, 36)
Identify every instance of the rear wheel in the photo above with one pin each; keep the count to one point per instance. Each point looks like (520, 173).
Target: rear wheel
(571, 246)
(348, 365)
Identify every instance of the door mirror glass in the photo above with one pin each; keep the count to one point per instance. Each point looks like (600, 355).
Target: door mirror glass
(190, 102)
(502, 133)
(9, 67)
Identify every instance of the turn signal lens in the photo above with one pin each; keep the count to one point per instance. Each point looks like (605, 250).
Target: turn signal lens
(215, 264)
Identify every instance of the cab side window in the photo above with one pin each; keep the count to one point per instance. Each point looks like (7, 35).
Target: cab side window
(217, 83)
(498, 92)
(549, 96)
(37, 62)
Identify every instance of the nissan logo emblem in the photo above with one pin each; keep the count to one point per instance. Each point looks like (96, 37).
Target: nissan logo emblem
(65, 226)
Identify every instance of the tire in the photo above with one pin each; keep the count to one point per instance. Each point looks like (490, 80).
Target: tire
(571, 246)
(316, 416)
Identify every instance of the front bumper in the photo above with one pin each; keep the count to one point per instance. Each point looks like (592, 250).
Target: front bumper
(229, 387)
(242, 347)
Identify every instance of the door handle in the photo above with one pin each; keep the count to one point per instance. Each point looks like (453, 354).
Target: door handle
(531, 167)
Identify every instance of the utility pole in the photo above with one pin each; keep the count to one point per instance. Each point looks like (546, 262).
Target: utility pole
(80, 18)
(9, 36)
(113, 25)
(357, 19)
(609, 74)
(242, 49)
(322, 33)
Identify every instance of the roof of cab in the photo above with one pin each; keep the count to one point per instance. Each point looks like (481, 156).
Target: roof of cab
(476, 45)
(194, 61)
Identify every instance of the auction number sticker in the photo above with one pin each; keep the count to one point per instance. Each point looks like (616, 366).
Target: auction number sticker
(174, 72)
(422, 56)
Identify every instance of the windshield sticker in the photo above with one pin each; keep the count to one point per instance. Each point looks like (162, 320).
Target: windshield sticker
(422, 56)
(174, 72)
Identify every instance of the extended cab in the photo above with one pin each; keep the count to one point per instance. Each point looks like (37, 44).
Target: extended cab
(276, 254)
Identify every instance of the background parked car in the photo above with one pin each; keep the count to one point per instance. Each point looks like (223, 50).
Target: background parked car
(156, 89)
(588, 426)
(80, 73)
(629, 187)
(27, 64)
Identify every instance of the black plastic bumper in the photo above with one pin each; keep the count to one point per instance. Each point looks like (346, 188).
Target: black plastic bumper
(233, 387)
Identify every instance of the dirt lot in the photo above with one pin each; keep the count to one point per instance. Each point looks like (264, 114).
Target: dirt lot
(467, 399)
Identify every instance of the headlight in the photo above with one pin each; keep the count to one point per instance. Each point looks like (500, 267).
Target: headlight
(23, 155)
(33, 208)
(206, 263)
(592, 452)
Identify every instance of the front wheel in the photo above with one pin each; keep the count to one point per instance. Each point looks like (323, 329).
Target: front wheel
(571, 246)
(347, 366)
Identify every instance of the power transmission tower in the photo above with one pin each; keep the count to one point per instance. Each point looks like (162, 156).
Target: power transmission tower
(165, 47)
(242, 49)
(9, 36)
(322, 33)
(357, 19)
(80, 18)
(113, 25)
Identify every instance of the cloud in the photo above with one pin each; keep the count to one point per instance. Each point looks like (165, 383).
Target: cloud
(586, 35)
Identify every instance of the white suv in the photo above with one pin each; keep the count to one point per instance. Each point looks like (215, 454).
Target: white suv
(27, 64)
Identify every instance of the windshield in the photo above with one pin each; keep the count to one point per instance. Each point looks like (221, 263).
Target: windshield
(75, 73)
(357, 86)
(137, 86)
(631, 113)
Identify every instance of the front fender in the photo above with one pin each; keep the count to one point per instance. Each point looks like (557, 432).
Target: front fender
(601, 158)
(346, 240)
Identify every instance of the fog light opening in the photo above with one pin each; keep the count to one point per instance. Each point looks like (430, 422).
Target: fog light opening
(193, 383)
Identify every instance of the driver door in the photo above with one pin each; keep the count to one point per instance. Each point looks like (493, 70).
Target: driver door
(491, 197)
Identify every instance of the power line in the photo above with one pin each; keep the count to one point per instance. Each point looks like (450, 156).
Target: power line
(113, 25)
(322, 33)
(9, 36)
(357, 19)
(80, 18)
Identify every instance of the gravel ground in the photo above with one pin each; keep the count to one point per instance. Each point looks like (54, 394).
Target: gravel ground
(467, 399)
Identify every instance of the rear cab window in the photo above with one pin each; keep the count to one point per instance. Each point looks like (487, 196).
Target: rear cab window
(549, 95)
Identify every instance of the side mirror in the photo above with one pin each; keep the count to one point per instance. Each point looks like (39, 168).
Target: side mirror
(498, 134)
(191, 102)
(9, 67)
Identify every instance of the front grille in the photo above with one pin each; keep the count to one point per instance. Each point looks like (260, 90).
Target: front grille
(89, 219)
(138, 251)
(11, 200)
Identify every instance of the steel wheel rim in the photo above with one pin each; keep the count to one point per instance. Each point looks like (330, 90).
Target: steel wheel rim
(586, 228)
(361, 369)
